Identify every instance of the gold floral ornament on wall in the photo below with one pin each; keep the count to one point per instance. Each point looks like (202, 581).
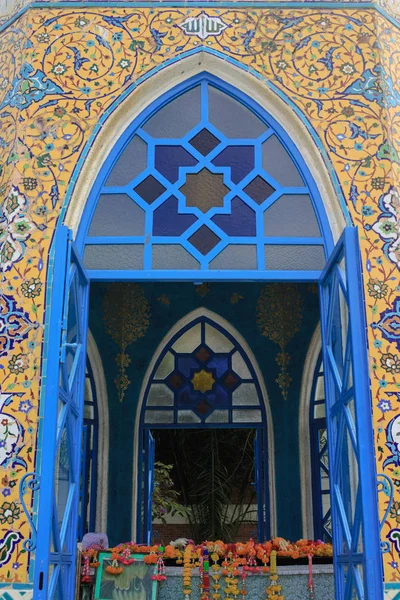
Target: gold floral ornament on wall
(126, 317)
(279, 315)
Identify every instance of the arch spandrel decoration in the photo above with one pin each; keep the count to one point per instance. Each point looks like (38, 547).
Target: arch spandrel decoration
(190, 189)
(203, 377)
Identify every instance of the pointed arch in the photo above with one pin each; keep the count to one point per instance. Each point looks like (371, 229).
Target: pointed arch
(139, 99)
(241, 342)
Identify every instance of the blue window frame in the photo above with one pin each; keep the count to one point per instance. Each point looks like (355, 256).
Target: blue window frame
(188, 190)
(88, 489)
(319, 458)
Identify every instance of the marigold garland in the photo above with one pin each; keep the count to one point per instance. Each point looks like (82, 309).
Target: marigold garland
(274, 589)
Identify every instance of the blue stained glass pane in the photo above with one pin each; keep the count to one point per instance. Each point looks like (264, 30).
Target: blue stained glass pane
(186, 396)
(168, 159)
(219, 363)
(167, 221)
(239, 158)
(241, 221)
(220, 398)
(186, 364)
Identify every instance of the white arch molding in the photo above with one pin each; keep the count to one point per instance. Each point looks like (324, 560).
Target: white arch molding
(310, 365)
(100, 385)
(169, 77)
(204, 312)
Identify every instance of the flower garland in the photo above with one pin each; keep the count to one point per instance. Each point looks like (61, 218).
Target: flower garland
(274, 589)
(238, 560)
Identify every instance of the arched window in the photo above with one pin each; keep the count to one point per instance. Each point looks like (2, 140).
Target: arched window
(205, 182)
(203, 376)
(319, 457)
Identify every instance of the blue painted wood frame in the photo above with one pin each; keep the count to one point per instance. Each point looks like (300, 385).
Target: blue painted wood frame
(204, 273)
(357, 555)
(317, 424)
(63, 412)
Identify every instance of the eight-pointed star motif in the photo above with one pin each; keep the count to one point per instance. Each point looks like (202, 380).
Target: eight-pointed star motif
(204, 190)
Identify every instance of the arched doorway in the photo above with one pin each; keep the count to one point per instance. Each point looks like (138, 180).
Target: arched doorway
(204, 375)
(210, 199)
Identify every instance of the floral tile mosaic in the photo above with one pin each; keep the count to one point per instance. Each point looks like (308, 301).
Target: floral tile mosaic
(62, 71)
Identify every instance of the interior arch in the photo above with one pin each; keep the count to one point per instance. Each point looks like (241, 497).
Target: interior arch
(154, 365)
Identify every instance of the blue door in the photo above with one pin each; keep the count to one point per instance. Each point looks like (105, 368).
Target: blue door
(148, 460)
(62, 426)
(357, 557)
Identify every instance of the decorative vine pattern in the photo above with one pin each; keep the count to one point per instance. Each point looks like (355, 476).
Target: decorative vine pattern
(279, 315)
(61, 70)
(126, 318)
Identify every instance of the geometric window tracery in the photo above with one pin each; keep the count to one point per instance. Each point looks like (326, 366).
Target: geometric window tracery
(212, 186)
(203, 376)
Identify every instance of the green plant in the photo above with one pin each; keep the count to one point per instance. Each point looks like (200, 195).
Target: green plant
(165, 498)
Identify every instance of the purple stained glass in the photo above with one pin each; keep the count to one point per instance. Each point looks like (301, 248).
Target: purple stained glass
(240, 159)
(186, 364)
(168, 159)
(241, 221)
(204, 142)
(219, 363)
(204, 240)
(167, 220)
(150, 189)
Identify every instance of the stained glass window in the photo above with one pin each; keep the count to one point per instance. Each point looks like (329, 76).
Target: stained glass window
(205, 183)
(319, 458)
(203, 376)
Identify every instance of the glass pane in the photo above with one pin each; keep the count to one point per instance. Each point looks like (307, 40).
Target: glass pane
(177, 118)
(239, 366)
(165, 367)
(218, 416)
(204, 142)
(246, 416)
(231, 117)
(238, 257)
(241, 221)
(88, 411)
(160, 395)
(117, 214)
(319, 411)
(294, 257)
(62, 477)
(130, 164)
(116, 256)
(188, 416)
(216, 340)
(277, 162)
(259, 190)
(173, 256)
(319, 389)
(245, 394)
(168, 221)
(291, 215)
(150, 189)
(189, 341)
(204, 240)
(158, 416)
(88, 390)
(204, 190)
